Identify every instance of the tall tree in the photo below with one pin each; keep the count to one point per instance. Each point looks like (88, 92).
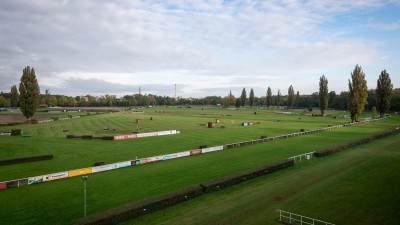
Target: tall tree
(278, 98)
(47, 97)
(237, 103)
(269, 97)
(290, 97)
(251, 98)
(357, 93)
(14, 96)
(229, 100)
(4, 102)
(384, 89)
(297, 99)
(243, 97)
(323, 94)
(29, 92)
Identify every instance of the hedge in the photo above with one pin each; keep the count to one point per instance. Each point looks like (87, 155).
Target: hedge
(136, 209)
(25, 159)
(90, 137)
(339, 148)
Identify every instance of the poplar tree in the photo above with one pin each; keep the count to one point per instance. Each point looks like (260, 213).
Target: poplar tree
(14, 96)
(323, 94)
(384, 89)
(29, 92)
(358, 93)
(269, 97)
(278, 98)
(290, 97)
(251, 98)
(243, 97)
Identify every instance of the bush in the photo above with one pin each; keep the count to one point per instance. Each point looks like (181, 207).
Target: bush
(339, 148)
(25, 159)
(16, 132)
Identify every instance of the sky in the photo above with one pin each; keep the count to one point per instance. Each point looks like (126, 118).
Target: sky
(206, 48)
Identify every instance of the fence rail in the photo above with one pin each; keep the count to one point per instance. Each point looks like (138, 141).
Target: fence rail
(292, 218)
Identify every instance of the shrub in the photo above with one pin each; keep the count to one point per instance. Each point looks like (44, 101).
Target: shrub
(25, 159)
(16, 132)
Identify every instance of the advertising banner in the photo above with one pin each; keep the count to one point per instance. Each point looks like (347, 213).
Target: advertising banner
(183, 154)
(55, 176)
(3, 185)
(195, 152)
(150, 134)
(213, 149)
(167, 132)
(135, 162)
(154, 159)
(97, 169)
(35, 180)
(126, 136)
(143, 161)
(79, 172)
(122, 164)
(170, 156)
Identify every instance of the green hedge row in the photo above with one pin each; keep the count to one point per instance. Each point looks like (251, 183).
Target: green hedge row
(227, 181)
(339, 148)
(25, 159)
(134, 210)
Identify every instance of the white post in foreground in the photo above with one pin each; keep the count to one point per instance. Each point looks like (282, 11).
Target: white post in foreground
(84, 179)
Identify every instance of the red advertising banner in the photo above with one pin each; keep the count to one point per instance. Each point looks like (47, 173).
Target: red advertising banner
(126, 136)
(195, 152)
(3, 186)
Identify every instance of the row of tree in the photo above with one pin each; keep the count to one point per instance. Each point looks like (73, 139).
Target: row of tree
(355, 100)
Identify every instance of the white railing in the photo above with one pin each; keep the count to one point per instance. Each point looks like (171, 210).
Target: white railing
(299, 219)
(307, 156)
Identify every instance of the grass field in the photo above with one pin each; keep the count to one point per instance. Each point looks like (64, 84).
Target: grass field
(60, 202)
(359, 186)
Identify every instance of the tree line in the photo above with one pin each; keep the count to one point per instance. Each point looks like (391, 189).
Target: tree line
(358, 98)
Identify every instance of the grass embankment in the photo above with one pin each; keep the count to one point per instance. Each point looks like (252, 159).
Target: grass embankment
(60, 202)
(358, 186)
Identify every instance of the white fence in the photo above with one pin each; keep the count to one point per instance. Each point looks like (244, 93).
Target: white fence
(299, 219)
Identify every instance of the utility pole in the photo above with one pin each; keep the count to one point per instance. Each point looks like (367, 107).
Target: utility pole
(84, 179)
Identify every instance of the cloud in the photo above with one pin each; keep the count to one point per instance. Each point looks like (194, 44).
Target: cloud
(200, 45)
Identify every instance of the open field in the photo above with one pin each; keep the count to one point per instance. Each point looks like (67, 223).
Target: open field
(60, 202)
(358, 186)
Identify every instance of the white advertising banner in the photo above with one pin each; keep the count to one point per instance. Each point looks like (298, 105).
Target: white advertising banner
(35, 180)
(213, 149)
(183, 154)
(122, 164)
(102, 168)
(167, 132)
(155, 158)
(55, 176)
(170, 156)
(150, 134)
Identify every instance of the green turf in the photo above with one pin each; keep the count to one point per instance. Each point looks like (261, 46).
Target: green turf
(60, 202)
(359, 186)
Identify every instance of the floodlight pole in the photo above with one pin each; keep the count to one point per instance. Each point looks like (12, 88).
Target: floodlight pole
(84, 179)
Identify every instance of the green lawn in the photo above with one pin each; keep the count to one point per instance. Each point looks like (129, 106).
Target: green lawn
(60, 202)
(359, 186)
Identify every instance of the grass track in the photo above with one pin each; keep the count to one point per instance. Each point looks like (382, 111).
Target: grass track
(59, 202)
(359, 186)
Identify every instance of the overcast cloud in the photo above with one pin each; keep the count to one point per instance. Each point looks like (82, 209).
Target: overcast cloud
(205, 47)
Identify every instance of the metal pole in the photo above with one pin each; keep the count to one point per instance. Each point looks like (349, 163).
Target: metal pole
(84, 197)
(84, 179)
